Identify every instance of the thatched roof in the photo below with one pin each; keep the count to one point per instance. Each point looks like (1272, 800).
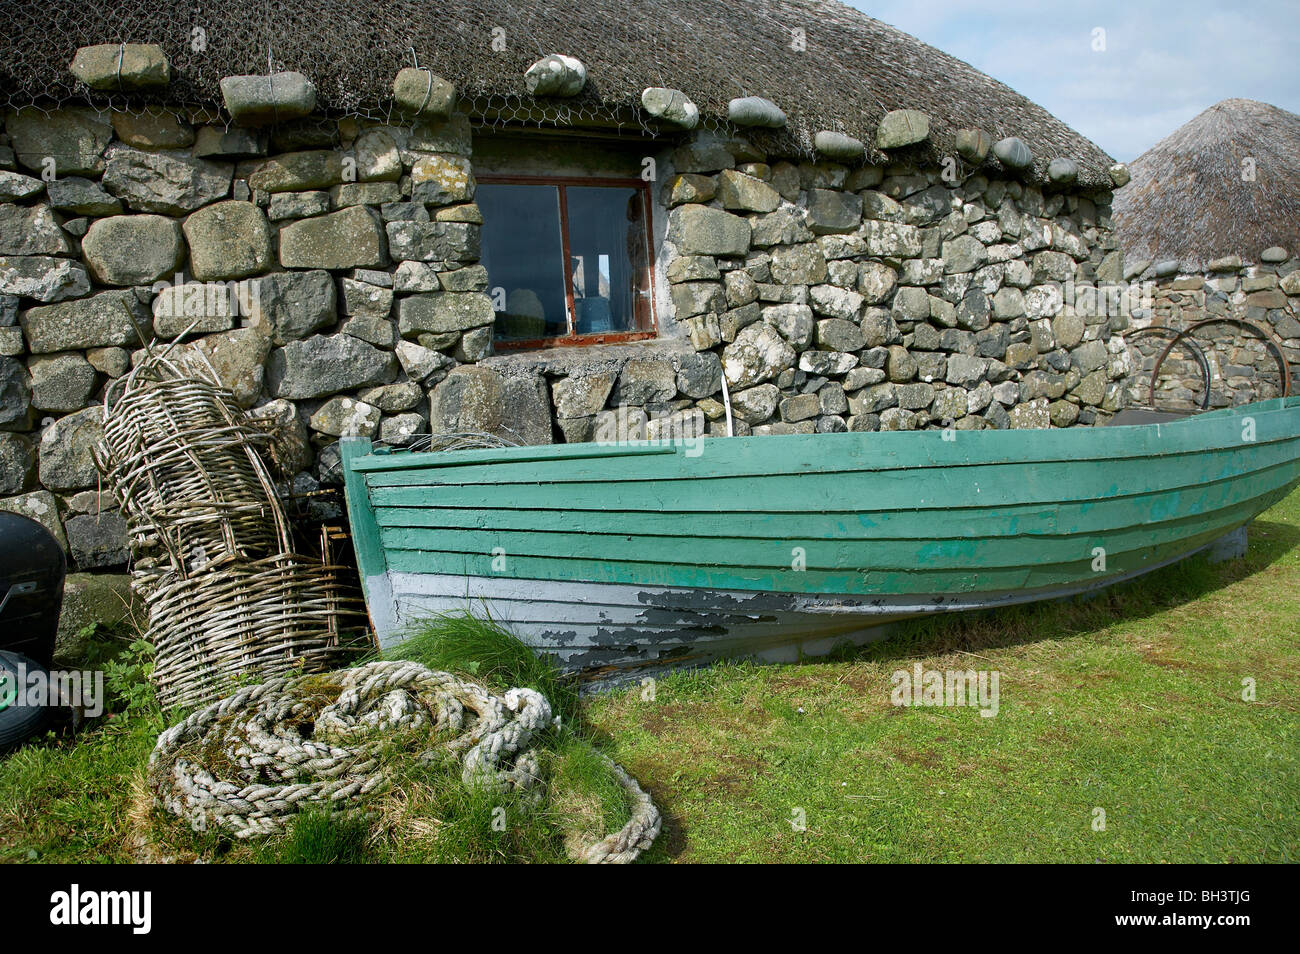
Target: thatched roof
(853, 71)
(1188, 201)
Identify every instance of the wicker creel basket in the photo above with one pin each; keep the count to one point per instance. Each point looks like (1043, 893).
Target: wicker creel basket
(213, 557)
(185, 462)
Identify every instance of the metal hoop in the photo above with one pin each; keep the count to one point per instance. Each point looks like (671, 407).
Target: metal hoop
(1284, 370)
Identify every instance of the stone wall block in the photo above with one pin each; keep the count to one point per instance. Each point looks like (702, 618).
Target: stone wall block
(228, 240)
(350, 238)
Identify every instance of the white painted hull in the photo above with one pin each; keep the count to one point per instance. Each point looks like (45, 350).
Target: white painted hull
(608, 629)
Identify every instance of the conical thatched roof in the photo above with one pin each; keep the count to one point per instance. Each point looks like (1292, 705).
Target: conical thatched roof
(1188, 199)
(853, 70)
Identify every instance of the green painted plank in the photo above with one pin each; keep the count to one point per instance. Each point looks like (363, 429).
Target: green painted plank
(981, 485)
(413, 507)
(946, 549)
(774, 462)
(564, 453)
(918, 581)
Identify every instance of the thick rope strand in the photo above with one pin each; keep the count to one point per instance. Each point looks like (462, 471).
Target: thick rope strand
(247, 763)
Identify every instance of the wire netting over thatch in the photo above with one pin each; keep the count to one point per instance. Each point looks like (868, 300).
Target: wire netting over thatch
(852, 71)
(213, 559)
(1193, 197)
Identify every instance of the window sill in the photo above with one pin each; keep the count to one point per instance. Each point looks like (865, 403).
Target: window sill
(567, 359)
(583, 341)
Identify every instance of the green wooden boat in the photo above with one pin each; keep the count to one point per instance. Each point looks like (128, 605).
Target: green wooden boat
(640, 554)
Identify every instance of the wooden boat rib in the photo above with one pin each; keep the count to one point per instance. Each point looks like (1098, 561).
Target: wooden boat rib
(641, 554)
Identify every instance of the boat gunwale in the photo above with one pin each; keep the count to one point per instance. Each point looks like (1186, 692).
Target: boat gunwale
(403, 481)
(885, 458)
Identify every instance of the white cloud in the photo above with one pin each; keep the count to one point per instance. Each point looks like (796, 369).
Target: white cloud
(1165, 61)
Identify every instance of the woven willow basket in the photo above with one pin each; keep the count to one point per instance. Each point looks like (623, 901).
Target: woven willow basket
(212, 552)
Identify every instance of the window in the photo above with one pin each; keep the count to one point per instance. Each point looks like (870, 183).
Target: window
(568, 260)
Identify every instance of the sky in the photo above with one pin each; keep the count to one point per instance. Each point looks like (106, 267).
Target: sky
(1161, 62)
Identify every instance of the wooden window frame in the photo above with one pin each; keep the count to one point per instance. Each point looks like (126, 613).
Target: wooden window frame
(573, 339)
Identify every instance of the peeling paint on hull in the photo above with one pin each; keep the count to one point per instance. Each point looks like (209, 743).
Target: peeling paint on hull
(610, 628)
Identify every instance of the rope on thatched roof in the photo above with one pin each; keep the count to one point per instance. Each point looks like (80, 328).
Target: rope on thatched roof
(1226, 183)
(827, 66)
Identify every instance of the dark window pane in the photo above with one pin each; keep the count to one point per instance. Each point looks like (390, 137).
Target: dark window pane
(607, 249)
(523, 255)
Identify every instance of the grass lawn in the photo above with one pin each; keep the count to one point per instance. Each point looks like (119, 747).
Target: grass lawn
(1130, 702)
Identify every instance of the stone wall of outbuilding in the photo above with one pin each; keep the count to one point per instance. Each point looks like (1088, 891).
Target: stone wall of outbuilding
(1242, 368)
(329, 273)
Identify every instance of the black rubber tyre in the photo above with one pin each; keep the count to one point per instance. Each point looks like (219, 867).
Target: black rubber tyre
(18, 723)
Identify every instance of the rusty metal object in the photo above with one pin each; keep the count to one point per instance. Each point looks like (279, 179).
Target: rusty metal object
(1284, 370)
(1201, 361)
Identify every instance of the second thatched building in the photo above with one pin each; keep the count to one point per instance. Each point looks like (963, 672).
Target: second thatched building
(1212, 219)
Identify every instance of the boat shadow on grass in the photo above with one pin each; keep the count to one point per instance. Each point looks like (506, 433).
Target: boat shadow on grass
(1140, 598)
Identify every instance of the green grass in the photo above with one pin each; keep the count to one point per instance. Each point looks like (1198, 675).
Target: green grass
(68, 801)
(75, 799)
(67, 798)
(1130, 702)
(319, 838)
(485, 652)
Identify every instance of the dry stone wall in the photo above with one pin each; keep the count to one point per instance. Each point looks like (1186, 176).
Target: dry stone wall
(1241, 367)
(838, 298)
(329, 272)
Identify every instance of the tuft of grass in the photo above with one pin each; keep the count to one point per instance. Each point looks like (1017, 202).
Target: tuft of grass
(586, 799)
(319, 837)
(460, 825)
(483, 650)
(583, 799)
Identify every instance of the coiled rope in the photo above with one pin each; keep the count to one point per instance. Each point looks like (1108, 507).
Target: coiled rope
(250, 762)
